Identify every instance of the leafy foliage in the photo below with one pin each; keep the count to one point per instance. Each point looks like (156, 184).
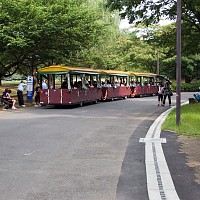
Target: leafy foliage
(150, 11)
(39, 32)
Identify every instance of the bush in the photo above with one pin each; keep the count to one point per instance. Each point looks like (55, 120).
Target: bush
(187, 87)
(190, 87)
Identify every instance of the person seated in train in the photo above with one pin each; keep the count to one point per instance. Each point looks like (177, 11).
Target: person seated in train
(75, 85)
(64, 84)
(106, 84)
(117, 83)
(79, 84)
(44, 84)
(87, 84)
(90, 84)
(123, 83)
(95, 83)
(132, 84)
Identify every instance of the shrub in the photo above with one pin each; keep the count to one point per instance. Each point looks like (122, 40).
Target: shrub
(187, 87)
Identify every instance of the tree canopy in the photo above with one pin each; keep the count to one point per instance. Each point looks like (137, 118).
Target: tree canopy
(34, 32)
(152, 11)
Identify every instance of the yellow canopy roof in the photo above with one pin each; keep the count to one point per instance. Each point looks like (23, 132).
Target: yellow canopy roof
(66, 69)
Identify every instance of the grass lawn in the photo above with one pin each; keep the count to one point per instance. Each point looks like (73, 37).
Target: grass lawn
(12, 85)
(190, 121)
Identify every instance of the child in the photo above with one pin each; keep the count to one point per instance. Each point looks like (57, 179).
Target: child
(160, 94)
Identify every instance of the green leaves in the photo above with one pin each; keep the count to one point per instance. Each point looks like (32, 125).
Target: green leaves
(37, 32)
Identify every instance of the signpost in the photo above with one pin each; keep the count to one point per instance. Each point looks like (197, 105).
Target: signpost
(30, 90)
(178, 66)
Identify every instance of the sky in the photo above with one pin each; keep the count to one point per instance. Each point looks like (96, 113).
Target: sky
(124, 23)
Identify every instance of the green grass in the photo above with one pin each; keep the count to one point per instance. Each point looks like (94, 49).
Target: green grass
(190, 121)
(12, 85)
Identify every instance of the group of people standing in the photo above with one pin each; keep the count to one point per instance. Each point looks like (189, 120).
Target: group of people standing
(164, 92)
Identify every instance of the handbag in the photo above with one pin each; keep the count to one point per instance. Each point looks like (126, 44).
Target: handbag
(170, 93)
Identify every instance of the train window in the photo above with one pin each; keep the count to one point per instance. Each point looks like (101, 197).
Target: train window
(58, 79)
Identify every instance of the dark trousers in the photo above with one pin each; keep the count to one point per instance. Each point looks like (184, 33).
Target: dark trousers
(20, 97)
(160, 98)
(169, 98)
(6, 103)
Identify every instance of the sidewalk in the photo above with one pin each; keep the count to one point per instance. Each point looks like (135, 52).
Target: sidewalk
(183, 159)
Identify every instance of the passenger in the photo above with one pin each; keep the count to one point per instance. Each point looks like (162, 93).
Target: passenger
(79, 84)
(64, 84)
(160, 94)
(107, 83)
(132, 84)
(11, 100)
(37, 95)
(44, 84)
(87, 84)
(166, 92)
(5, 100)
(20, 90)
(117, 84)
(75, 85)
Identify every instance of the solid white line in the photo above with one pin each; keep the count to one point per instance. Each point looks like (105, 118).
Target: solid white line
(159, 181)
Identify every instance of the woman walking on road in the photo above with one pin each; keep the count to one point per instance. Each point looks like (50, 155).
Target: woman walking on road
(167, 92)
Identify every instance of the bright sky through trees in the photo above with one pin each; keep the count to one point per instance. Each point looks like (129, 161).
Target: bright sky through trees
(124, 23)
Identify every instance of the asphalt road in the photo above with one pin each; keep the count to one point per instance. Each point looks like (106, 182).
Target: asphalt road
(78, 153)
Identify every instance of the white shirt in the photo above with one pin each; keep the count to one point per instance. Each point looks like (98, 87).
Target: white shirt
(44, 86)
(160, 90)
(21, 87)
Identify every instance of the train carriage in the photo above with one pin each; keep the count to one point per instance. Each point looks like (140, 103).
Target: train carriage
(69, 85)
(115, 84)
(143, 84)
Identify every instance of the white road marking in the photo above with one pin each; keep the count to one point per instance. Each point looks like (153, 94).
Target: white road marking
(28, 154)
(159, 181)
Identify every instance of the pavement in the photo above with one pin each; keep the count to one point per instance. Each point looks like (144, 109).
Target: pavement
(183, 175)
(167, 172)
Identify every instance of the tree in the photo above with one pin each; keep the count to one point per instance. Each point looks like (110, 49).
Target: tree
(37, 32)
(150, 11)
(164, 39)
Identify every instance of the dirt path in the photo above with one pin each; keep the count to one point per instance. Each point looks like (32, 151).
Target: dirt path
(191, 147)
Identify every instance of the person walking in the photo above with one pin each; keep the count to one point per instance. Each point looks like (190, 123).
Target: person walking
(160, 94)
(167, 92)
(20, 90)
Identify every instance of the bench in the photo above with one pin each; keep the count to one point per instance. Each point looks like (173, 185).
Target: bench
(3, 104)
